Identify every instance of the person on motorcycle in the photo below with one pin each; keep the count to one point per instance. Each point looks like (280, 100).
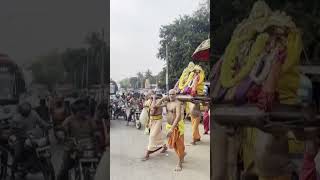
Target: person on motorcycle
(59, 113)
(118, 99)
(133, 105)
(43, 110)
(77, 126)
(23, 122)
(93, 106)
(102, 121)
(119, 103)
(67, 108)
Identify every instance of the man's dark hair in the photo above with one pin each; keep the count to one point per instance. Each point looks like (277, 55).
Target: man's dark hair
(79, 105)
(24, 108)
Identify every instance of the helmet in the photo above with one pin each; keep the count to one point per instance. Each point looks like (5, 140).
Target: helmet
(25, 109)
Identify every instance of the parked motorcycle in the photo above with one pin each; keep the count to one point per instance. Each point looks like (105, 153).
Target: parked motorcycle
(137, 119)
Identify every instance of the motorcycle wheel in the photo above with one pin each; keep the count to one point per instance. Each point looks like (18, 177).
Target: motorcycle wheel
(138, 125)
(125, 116)
(88, 175)
(47, 170)
(3, 165)
(74, 174)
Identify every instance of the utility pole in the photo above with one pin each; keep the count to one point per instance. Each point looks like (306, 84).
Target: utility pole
(87, 82)
(82, 80)
(167, 70)
(102, 65)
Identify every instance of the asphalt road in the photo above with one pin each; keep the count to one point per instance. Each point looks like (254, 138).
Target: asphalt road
(128, 146)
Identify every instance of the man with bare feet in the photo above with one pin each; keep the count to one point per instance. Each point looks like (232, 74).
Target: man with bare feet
(155, 124)
(175, 127)
(195, 115)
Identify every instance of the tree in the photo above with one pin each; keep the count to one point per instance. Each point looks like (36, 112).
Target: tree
(97, 53)
(48, 69)
(125, 83)
(182, 37)
(133, 82)
(140, 79)
(148, 75)
(74, 61)
(161, 77)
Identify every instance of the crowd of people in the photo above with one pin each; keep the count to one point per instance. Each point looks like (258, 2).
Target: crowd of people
(80, 118)
(175, 125)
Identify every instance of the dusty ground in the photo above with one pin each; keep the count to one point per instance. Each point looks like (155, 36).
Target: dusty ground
(128, 147)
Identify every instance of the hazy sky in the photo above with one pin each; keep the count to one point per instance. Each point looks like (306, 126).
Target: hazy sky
(34, 27)
(134, 33)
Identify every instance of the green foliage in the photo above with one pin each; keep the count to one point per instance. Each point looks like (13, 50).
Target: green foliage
(161, 77)
(182, 37)
(72, 65)
(48, 69)
(148, 75)
(133, 81)
(125, 83)
(140, 79)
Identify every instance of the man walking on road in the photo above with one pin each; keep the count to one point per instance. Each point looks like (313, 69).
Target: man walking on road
(147, 105)
(195, 115)
(155, 138)
(206, 120)
(175, 127)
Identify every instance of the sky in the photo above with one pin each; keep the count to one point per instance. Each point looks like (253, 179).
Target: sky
(134, 33)
(35, 27)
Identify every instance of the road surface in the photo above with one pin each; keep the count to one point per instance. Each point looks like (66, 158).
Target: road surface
(128, 147)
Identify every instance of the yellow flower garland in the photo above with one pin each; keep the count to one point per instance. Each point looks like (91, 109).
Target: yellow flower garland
(226, 73)
(290, 74)
(184, 78)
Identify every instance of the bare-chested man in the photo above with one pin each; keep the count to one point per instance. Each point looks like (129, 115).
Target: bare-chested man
(175, 127)
(155, 124)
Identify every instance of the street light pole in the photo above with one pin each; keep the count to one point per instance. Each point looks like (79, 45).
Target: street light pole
(87, 74)
(102, 66)
(167, 70)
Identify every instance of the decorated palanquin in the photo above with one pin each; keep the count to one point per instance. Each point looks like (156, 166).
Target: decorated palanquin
(260, 67)
(255, 85)
(260, 64)
(191, 84)
(191, 81)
